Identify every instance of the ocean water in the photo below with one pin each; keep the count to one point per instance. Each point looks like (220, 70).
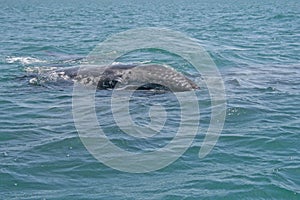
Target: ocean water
(255, 45)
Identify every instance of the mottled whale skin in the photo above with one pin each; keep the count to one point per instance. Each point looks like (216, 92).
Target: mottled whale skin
(141, 77)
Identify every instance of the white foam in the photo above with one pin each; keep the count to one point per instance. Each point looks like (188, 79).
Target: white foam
(118, 63)
(39, 70)
(33, 81)
(23, 60)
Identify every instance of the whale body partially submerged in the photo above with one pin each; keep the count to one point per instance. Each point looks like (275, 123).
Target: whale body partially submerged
(140, 77)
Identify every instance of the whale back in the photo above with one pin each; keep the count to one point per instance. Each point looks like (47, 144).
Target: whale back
(141, 77)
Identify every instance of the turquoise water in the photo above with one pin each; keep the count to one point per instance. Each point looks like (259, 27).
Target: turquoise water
(255, 45)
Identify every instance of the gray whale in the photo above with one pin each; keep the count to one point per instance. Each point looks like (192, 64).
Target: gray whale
(141, 77)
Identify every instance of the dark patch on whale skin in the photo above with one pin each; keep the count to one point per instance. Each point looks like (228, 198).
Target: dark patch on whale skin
(140, 77)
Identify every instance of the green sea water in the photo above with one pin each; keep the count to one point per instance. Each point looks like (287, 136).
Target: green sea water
(255, 45)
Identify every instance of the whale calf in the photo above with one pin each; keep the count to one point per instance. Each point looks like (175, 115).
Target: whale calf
(140, 77)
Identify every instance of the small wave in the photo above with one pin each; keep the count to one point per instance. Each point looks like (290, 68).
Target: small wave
(283, 16)
(234, 82)
(266, 89)
(23, 60)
